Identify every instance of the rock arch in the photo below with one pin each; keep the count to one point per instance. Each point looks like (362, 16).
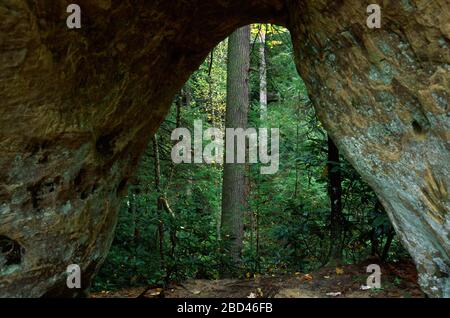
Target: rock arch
(78, 106)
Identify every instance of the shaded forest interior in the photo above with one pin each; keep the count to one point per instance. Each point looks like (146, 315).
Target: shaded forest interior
(315, 211)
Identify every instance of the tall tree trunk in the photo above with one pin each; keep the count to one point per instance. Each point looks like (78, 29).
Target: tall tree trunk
(335, 194)
(158, 205)
(262, 74)
(212, 111)
(186, 96)
(387, 245)
(234, 194)
(374, 244)
(297, 152)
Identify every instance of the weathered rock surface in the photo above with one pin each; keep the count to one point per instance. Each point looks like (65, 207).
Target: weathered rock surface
(384, 97)
(77, 108)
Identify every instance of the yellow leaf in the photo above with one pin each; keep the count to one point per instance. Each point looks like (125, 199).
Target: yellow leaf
(156, 292)
(260, 292)
(339, 271)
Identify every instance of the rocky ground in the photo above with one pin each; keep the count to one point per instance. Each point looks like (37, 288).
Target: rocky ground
(398, 280)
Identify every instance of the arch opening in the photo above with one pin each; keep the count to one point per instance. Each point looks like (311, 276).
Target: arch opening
(293, 230)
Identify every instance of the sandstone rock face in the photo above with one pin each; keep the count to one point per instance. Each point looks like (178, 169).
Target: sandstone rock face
(77, 109)
(384, 96)
(78, 106)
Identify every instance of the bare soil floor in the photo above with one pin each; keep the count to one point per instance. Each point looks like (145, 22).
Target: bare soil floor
(398, 280)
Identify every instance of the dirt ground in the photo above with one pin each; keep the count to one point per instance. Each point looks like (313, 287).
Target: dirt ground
(398, 280)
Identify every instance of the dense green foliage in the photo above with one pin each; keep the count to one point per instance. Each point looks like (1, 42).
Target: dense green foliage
(287, 224)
